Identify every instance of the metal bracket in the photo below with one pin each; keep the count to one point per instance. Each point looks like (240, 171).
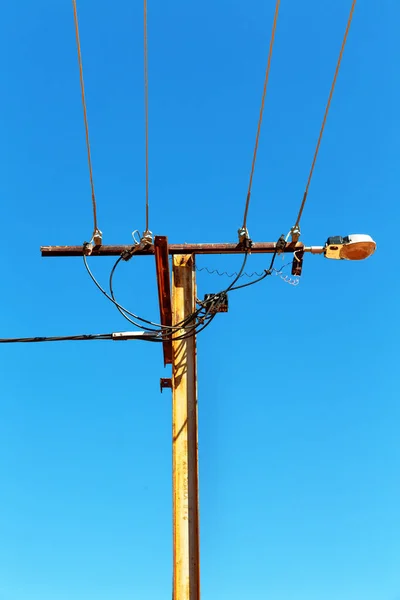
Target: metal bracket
(87, 248)
(244, 238)
(295, 233)
(164, 290)
(165, 382)
(97, 237)
(297, 264)
(216, 303)
(147, 239)
(145, 242)
(280, 245)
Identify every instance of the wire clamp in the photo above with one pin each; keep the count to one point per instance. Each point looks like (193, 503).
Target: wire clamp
(244, 238)
(147, 239)
(295, 233)
(97, 237)
(87, 248)
(145, 242)
(280, 245)
(216, 303)
(127, 254)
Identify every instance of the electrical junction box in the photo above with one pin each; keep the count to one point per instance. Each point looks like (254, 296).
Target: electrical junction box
(216, 303)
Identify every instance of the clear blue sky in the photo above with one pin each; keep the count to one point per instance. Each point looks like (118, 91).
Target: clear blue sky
(298, 387)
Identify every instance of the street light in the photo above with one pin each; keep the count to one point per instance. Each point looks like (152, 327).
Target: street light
(352, 247)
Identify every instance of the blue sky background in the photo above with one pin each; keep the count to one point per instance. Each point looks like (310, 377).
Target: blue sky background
(298, 387)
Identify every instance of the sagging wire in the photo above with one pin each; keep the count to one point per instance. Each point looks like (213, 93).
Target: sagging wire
(124, 312)
(279, 247)
(205, 312)
(196, 321)
(120, 307)
(162, 331)
(193, 324)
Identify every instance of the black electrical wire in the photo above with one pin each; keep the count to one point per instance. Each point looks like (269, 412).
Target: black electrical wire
(178, 326)
(212, 302)
(186, 335)
(113, 300)
(67, 338)
(239, 287)
(268, 271)
(193, 323)
(201, 317)
(207, 316)
(123, 310)
(162, 331)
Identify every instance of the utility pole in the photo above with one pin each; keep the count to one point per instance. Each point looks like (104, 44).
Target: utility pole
(181, 354)
(186, 555)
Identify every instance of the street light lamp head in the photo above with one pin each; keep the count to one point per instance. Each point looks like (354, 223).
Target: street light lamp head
(352, 247)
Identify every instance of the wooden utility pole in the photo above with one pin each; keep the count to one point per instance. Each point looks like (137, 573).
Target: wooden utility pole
(186, 556)
(181, 354)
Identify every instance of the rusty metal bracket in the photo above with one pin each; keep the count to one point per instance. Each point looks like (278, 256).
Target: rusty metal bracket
(165, 382)
(164, 290)
(297, 264)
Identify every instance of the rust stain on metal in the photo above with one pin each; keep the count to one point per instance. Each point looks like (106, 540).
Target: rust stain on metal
(164, 290)
(257, 248)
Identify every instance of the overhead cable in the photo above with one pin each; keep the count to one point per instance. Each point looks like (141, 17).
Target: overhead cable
(296, 228)
(188, 327)
(271, 46)
(191, 325)
(67, 338)
(120, 335)
(97, 234)
(198, 319)
(146, 111)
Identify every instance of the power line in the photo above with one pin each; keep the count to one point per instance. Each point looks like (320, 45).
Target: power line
(101, 336)
(192, 325)
(162, 332)
(296, 227)
(146, 110)
(197, 320)
(97, 235)
(116, 336)
(271, 45)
